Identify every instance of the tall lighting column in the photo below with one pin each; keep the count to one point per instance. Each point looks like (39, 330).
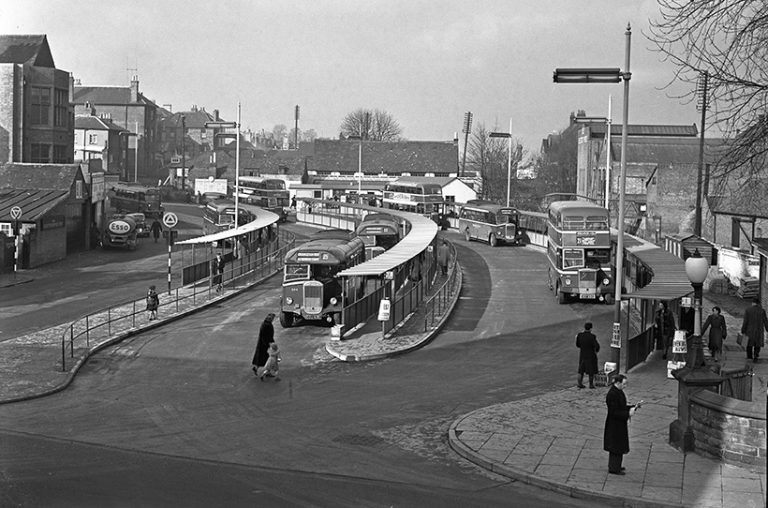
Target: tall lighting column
(611, 75)
(507, 135)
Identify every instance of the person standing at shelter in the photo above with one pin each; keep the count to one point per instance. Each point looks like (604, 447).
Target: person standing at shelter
(616, 435)
(156, 228)
(266, 337)
(664, 327)
(443, 253)
(717, 332)
(217, 270)
(588, 349)
(755, 321)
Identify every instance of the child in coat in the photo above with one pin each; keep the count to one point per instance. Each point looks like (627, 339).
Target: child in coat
(272, 368)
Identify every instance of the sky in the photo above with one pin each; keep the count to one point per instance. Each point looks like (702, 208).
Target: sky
(425, 62)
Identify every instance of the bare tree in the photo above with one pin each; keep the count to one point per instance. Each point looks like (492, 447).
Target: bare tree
(489, 158)
(374, 124)
(727, 39)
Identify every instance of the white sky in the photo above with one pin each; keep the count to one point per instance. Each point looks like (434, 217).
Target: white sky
(425, 62)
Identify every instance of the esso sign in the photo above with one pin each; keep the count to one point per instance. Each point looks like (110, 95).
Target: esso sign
(119, 227)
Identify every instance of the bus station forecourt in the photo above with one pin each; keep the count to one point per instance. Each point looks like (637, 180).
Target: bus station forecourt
(552, 440)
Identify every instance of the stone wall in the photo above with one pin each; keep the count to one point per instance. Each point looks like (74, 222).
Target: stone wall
(730, 430)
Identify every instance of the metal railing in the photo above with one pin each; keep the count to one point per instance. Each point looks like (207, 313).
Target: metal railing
(443, 292)
(737, 383)
(93, 330)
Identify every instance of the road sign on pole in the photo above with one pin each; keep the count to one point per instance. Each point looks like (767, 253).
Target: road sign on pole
(170, 219)
(16, 212)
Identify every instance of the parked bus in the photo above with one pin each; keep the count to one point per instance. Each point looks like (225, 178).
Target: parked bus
(379, 232)
(422, 198)
(311, 291)
(579, 251)
(268, 193)
(219, 215)
(490, 222)
(130, 197)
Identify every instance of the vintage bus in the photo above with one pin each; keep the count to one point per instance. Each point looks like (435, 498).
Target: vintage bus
(130, 197)
(490, 222)
(311, 291)
(579, 251)
(422, 198)
(379, 232)
(268, 193)
(219, 215)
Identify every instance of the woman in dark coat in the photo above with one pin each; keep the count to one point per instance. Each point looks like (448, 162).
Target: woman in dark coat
(616, 435)
(588, 349)
(717, 332)
(266, 337)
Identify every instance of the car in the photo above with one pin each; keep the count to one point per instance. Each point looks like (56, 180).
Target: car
(141, 223)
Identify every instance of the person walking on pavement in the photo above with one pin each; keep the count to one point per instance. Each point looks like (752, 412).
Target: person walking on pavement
(664, 327)
(588, 349)
(153, 302)
(616, 434)
(717, 332)
(266, 337)
(217, 270)
(156, 228)
(755, 321)
(442, 257)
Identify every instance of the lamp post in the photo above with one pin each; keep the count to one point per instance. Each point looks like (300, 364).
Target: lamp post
(359, 173)
(696, 268)
(230, 125)
(183, 154)
(507, 135)
(612, 75)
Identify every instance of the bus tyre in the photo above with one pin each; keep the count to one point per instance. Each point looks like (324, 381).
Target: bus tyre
(286, 319)
(493, 241)
(466, 235)
(608, 299)
(561, 297)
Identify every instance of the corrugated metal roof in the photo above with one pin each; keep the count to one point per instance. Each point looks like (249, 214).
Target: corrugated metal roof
(669, 278)
(264, 218)
(34, 203)
(423, 231)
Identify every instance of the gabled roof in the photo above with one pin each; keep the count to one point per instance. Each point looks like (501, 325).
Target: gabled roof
(665, 150)
(33, 203)
(39, 176)
(743, 202)
(192, 119)
(597, 129)
(107, 95)
(91, 122)
(415, 157)
(26, 49)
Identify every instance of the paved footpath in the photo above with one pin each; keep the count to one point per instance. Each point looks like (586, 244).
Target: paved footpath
(553, 440)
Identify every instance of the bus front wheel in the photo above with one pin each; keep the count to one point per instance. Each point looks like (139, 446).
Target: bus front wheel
(493, 241)
(466, 235)
(286, 319)
(561, 297)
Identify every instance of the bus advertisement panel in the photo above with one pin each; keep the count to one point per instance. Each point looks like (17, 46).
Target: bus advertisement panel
(129, 197)
(490, 222)
(579, 251)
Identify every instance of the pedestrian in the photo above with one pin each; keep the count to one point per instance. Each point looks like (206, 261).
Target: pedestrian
(588, 349)
(266, 337)
(752, 327)
(217, 270)
(664, 328)
(271, 368)
(156, 228)
(443, 253)
(153, 302)
(616, 435)
(717, 332)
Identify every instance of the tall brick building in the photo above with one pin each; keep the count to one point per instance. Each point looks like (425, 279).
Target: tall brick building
(36, 115)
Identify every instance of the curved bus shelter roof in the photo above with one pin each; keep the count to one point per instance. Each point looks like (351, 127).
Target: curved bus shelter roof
(423, 231)
(669, 279)
(264, 218)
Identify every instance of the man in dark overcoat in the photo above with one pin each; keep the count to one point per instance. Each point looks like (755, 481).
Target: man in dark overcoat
(266, 337)
(616, 435)
(753, 325)
(588, 349)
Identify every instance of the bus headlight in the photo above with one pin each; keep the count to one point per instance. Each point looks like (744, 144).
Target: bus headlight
(334, 301)
(567, 281)
(289, 300)
(606, 281)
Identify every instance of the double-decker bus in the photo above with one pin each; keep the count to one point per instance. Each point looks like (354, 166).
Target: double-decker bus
(422, 198)
(131, 197)
(490, 222)
(219, 215)
(268, 193)
(379, 232)
(311, 291)
(579, 251)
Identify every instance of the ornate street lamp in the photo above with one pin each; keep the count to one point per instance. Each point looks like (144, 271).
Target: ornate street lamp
(696, 268)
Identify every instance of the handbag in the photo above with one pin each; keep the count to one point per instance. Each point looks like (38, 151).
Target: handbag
(739, 339)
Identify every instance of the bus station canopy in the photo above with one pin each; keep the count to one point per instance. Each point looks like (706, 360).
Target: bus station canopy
(264, 218)
(669, 279)
(423, 231)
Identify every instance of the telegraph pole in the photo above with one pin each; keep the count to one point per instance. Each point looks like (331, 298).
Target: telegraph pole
(466, 130)
(702, 104)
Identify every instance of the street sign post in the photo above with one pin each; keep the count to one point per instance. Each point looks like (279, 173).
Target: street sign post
(16, 215)
(170, 220)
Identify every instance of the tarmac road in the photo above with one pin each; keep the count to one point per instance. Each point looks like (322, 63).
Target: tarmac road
(175, 416)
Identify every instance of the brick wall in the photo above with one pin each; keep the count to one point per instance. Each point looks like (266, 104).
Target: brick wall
(7, 105)
(729, 430)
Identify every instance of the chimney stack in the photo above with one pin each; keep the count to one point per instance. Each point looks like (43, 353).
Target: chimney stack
(135, 89)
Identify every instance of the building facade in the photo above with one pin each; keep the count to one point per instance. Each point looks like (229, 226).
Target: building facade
(36, 115)
(101, 138)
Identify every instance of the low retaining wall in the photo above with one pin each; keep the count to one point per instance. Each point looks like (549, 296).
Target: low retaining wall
(730, 430)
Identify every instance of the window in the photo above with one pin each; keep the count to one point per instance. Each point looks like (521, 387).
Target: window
(40, 106)
(93, 139)
(40, 152)
(573, 258)
(60, 107)
(60, 154)
(5, 227)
